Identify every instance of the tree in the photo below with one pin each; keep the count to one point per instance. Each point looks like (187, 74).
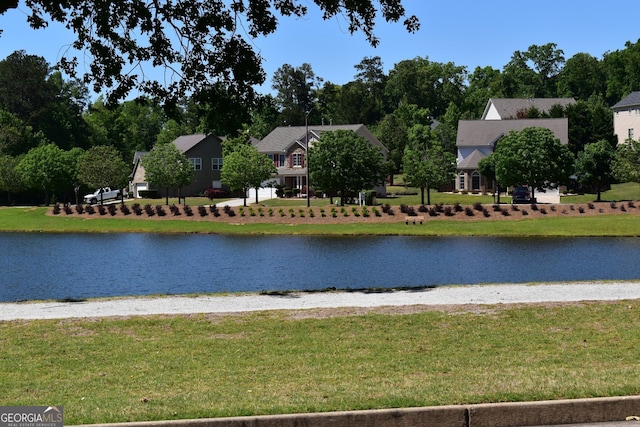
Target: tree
(582, 76)
(167, 167)
(533, 73)
(197, 42)
(593, 165)
(342, 161)
(47, 168)
(102, 166)
(626, 165)
(245, 168)
(426, 163)
(296, 92)
(532, 156)
(487, 168)
(10, 179)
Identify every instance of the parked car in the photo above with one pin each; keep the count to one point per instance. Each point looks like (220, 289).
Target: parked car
(521, 195)
(107, 194)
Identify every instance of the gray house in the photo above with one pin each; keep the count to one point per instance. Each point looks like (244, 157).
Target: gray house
(477, 139)
(205, 154)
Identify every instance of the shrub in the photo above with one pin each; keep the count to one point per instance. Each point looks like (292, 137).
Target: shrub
(468, 211)
(355, 211)
(486, 213)
(67, 209)
(102, 210)
(241, 211)
(622, 208)
(581, 209)
(457, 207)
(477, 206)
(505, 212)
(301, 213)
(515, 208)
(404, 208)
(56, 209)
(137, 209)
(322, 213)
(160, 210)
(281, 212)
(202, 211)
(90, 210)
(553, 208)
(433, 212)
(252, 211)
(631, 205)
(260, 211)
(270, 211)
(572, 208)
(216, 193)
(112, 210)
(496, 208)
(214, 210)
(439, 208)
(613, 205)
(125, 209)
(292, 213)
(411, 211)
(543, 211)
(524, 212)
(534, 207)
(149, 210)
(80, 209)
(448, 211)
(591, 206)
(376, 212)
(149, 194)
(422, 208)
(311, 213)
(365, 212)
(334, 212)
(344, 212)
(187, 210)
(175, 211)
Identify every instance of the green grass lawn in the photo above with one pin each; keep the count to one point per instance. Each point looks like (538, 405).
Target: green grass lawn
(155, 368)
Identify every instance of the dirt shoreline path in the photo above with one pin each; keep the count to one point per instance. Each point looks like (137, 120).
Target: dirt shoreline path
(399, 301)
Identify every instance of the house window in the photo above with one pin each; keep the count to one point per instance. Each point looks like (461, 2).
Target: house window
(475, 181)
(216, 163)
(296, 160)
(631, 133)
(278, 159)
(196, 163)
(461, 180)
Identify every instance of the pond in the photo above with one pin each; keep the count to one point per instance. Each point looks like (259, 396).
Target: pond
(76, 266)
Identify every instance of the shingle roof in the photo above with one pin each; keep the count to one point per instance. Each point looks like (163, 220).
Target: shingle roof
(281, 138)
(476, 133)
(187, 142)
(631, 100)
(472, 160)
(508, 108)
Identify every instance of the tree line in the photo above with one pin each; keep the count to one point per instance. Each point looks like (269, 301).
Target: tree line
(38, 107)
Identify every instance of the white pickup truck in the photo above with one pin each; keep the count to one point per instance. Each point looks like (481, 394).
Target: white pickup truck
(107, 194)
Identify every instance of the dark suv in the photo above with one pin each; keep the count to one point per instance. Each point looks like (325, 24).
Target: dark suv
(520, 195)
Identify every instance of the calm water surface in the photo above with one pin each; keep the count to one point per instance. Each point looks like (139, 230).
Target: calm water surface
(55, 266)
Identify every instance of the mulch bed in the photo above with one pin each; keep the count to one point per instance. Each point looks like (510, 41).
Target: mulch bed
(349, 214)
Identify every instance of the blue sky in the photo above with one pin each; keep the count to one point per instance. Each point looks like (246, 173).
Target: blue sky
(468, 33)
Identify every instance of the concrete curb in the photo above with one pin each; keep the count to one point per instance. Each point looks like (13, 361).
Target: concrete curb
(542, 413)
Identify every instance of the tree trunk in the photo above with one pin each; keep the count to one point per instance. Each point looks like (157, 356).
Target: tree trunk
(166, 193)
(422, 194)
(258, 201)
(599, 187)
(428, 195)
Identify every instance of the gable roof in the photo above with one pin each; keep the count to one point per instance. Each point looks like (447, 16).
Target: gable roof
(472, 160)
(187, 142)
(283, 137)
(485, 133)
(508, 108)
(631, 100)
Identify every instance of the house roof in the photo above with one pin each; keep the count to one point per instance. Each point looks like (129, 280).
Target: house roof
(508, 108)
(631, 100)
(281, 138)
(485, 133)
(472, 160)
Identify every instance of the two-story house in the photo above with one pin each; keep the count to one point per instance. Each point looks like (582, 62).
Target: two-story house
(626, 118)
(205, 154)
(287, 147)
(476, 139)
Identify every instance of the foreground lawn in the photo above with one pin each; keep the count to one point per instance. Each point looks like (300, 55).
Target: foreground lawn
(35, 220)
(154, 368)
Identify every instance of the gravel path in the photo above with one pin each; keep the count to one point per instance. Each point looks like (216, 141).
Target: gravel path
(444, 295)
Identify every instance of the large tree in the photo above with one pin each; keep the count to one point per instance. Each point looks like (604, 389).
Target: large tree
(102, 166)
(342, 161)
(10, 179)
(47, 168)
(167, 167)
(626, 165)
(245, 168)
(426, 163)
(199, 43)
(296, 89)
(533, 157)
(593, 165)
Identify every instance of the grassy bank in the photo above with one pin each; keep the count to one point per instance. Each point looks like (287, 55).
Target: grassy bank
(152, 368)
(35, 220)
